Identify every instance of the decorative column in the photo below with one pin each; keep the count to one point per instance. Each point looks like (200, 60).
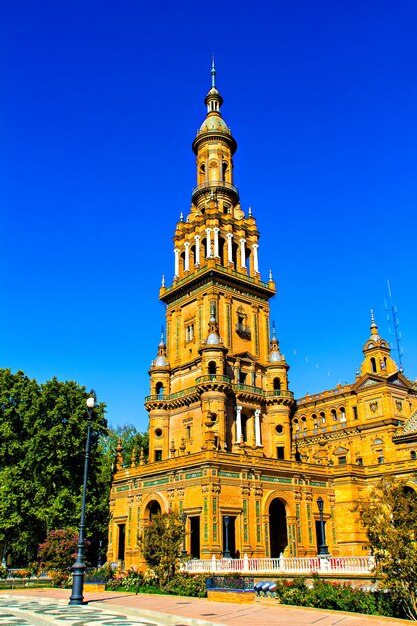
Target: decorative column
(197, 250)
(255, 258)
(187, 256)
(258, 427)
(242, 253)
(216, 241)
(238, 423)
(229, 247)
(177, 262)
(208, 242)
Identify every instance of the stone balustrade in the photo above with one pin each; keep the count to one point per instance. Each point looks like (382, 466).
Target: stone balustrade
(300, 565)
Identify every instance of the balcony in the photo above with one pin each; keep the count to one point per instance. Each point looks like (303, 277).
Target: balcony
(217, 379)
(217, 186)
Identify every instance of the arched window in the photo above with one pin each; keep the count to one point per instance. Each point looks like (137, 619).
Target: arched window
(225, 170)
(314, 420)
(277, 384)
(212, 368)
(334, 415)
(373, 365)
(342, 414)
(159, 389)
(323, 417)
(188, 432)
(413, 455)
(202, 173)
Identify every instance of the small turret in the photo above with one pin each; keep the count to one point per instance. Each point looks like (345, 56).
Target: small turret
(277, 367)
(377, 354)
(161, 359)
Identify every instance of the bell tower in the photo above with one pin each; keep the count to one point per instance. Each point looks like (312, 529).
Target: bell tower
(224, 388)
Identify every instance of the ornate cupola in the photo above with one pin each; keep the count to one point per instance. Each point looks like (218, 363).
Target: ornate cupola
(160, 370)
(214, 147)
(161, 359)
(212, 350)
(377, 354)
(277, 367)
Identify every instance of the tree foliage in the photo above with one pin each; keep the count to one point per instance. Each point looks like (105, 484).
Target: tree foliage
(43, 430)
(161, 543)
(132, 442)
(390, 520)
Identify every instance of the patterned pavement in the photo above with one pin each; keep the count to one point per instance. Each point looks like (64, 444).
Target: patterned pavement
(26, 611)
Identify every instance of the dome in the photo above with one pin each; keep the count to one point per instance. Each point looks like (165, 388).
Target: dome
(214, 123)
(275, 356)
(213, 338)
(160, 361)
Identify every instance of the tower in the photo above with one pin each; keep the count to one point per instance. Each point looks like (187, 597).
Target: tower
(229, 448)
(217, 317)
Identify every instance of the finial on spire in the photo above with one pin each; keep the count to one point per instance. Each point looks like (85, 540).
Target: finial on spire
(163, 280)
(374, 327)
(274, 335)
(213, 73)
(250, 211)
(181, 216)
(162, 342)
(270, 276)
(372, 318)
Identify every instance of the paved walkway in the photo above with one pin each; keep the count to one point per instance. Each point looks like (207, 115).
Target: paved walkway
(41, 607)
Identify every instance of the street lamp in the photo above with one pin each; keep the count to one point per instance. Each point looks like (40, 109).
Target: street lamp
(78, 569)
(323, 549)
(226, 554)
(184, 546)
(4, 557)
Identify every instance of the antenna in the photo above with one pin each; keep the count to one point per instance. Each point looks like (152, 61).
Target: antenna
(392, 316)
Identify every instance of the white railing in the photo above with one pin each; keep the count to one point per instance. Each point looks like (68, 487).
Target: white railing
(303, 565)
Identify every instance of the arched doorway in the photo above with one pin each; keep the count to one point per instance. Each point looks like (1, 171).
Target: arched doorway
(277, 528)
(154, 508)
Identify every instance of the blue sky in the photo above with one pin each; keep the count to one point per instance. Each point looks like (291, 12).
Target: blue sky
(100, 103)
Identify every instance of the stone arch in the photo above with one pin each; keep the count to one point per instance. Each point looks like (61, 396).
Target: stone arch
(159, 388)
(152, 503)
(410, 487)
(277, 511)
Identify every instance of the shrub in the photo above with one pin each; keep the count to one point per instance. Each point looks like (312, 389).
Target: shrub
(99, 575)
(339, 597)
(185, 584)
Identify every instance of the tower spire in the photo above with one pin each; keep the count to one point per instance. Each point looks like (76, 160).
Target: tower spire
(213, 73)
(374, 327)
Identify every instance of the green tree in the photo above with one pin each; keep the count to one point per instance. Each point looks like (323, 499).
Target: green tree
(43, 429)
(131, 440)
(161, 543)
(389, 516)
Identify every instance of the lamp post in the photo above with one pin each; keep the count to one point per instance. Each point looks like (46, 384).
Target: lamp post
(227, 554)
(78, 569)
(4, 557)
(184, 546)
(323, 549)
(100, 554)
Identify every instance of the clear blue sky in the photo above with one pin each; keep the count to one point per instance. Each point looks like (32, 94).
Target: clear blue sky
(100, 103)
